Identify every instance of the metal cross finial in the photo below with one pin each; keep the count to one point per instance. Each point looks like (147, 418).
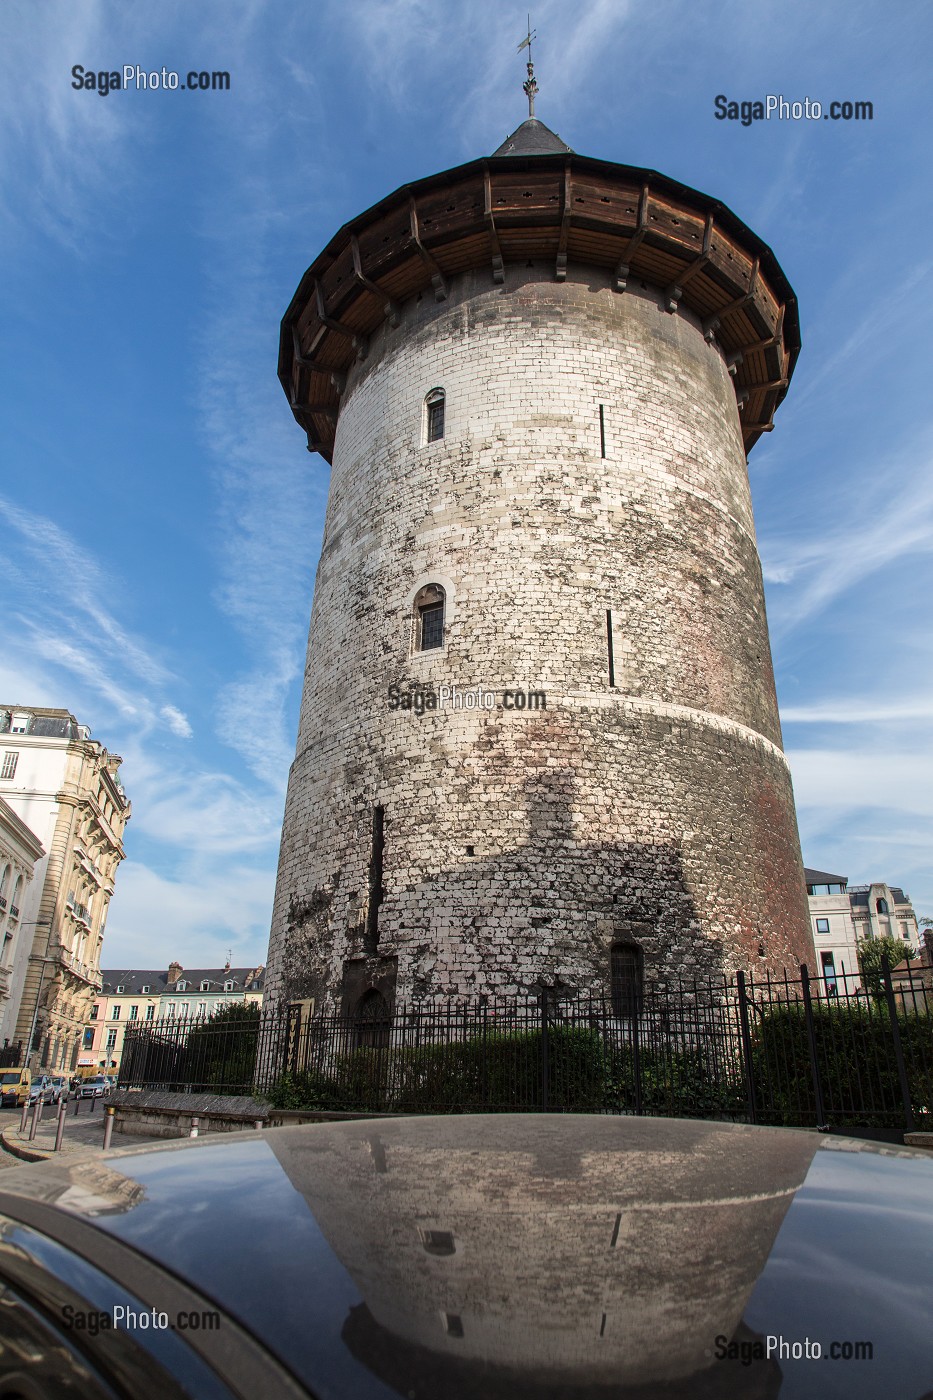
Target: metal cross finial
(530, 86)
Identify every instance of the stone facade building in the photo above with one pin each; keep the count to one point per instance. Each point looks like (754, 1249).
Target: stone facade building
(19, 852)
(843, 915)
(539, 741)
(64, 785)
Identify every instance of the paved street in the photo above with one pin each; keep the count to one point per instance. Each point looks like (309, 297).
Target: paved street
(83, 1131)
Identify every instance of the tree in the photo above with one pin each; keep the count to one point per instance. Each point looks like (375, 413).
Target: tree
(221, 1051)
(870, 953)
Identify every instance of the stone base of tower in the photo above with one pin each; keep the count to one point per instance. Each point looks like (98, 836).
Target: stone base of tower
(519, 850)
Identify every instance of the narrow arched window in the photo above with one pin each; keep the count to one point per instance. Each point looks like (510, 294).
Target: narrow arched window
(626, 974)
(882, 906)
(429, 617)
(434, 405)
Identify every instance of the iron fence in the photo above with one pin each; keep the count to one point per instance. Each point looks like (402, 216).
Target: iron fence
(787, 1051)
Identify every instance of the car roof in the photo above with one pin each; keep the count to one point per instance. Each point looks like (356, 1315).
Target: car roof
(502, 1254)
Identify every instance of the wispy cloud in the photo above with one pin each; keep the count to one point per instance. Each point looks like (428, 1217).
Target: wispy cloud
(856, 780)
(860, 710)
(55, 151)
(884, 518)
(176, 721)
(195, 916)
(271, 494)
(869, 338)
(64, 620)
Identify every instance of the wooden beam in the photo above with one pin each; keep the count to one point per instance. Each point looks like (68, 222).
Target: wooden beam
(620, 276)
(712, 323)
(392, 313)
(675, 291)
(766, 344)
(498, 266)
(437, 277)
(359, 342)
(326, 409)
(560, 267)
(305, 361)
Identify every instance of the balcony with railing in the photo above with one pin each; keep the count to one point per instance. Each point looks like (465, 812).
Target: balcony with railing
(80, 912)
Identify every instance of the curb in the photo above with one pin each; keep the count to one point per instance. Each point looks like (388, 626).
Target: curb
(16, 1149)
(919, 1140)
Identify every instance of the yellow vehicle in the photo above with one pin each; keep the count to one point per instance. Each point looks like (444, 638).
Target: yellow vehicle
(15, 1085)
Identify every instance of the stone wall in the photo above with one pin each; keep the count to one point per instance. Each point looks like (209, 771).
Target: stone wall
(519, 845)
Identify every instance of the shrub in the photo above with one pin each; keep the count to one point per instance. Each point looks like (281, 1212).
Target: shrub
(856, 1062)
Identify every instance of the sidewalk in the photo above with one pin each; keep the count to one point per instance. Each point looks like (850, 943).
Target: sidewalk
(83, 1132)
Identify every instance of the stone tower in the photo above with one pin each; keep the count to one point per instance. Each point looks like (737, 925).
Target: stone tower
(539, 738)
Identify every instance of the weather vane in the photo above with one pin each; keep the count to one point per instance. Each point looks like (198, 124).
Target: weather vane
(530, 86)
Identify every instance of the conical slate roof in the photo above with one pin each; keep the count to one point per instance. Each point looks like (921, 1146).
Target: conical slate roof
(533, 138)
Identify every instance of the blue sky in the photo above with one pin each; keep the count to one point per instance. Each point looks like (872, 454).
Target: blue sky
(160, 516)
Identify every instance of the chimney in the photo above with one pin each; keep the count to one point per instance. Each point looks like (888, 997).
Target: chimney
(175, 970)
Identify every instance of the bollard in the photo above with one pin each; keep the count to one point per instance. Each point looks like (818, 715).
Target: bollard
(35, 1122)
(93, 1101)
(22, 1121)
(40, 1106)
(194, 1126)
(77, 1100)
(62, 1106)
(108, 1127)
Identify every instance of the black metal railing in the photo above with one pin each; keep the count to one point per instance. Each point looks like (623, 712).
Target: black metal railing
(787, 1051)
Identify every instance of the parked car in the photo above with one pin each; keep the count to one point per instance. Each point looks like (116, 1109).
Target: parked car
(40, 1088)
(60, 1089)
(494, 1256)
(95, 1087)
(15, 1085)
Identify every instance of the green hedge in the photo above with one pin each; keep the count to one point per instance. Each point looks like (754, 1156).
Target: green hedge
(502, 1072)
(587, 1073)
(856, 1061)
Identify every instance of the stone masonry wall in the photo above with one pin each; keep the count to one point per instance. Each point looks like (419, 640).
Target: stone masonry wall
(520, 844)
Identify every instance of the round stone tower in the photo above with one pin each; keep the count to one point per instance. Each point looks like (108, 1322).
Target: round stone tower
(539, 738)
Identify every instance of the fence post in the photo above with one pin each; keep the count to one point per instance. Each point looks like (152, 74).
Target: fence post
(896, 1039)
(636, 1056)
(822, 1125)
(484, 1081)
(747, 1049)
(545, 1067)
